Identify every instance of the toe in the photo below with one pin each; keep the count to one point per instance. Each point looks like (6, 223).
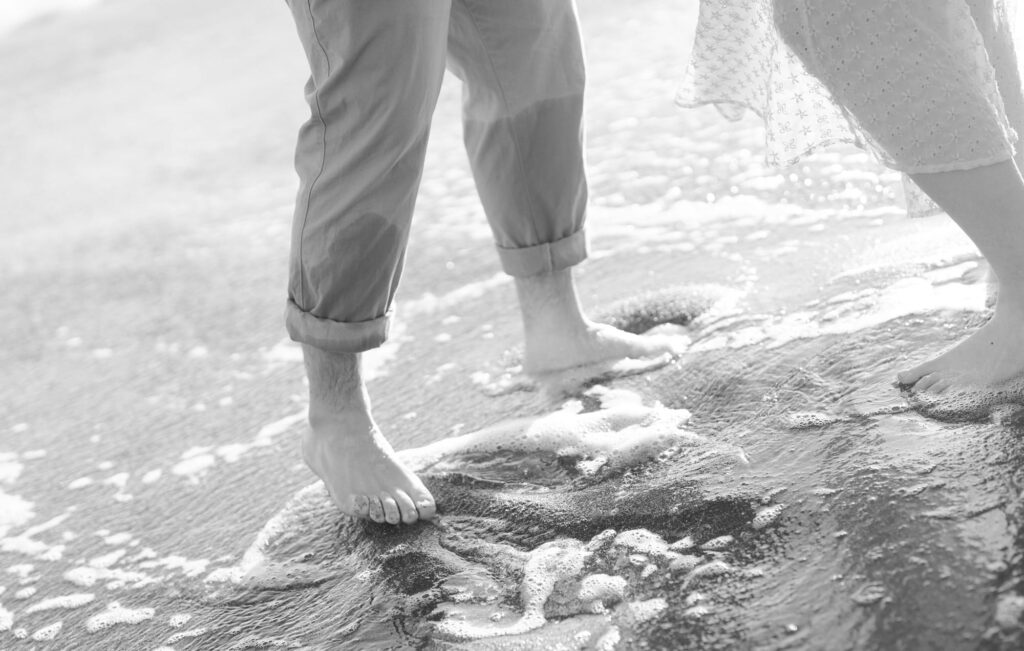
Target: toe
(406, 506)
(940, 387)
(376, 509)
(360, 506)
(425, 505)
(391, 514)
(926, 382)
(914, 375)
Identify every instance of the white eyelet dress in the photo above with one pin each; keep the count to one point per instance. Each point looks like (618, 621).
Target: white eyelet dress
(925, 85)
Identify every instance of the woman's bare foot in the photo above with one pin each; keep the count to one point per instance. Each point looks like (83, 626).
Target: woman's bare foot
(990, 356)
(359, 468)
(987, 203)
(559, 337)
(346, 449)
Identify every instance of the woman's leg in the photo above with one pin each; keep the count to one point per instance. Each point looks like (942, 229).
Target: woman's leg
(920, 77)
(988, 204)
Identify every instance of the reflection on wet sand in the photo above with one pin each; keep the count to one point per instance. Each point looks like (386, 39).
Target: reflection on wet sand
(810, 507)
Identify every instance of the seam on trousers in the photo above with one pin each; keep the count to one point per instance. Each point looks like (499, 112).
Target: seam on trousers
(323, 148)
(504, 99)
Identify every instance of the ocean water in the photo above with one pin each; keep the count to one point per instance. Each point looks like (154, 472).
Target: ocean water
(769, 488)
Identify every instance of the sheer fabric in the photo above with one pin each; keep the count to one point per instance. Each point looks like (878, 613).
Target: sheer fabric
(925, 85)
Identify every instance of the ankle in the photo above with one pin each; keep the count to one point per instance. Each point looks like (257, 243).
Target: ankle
(337, 413)
(548, 303)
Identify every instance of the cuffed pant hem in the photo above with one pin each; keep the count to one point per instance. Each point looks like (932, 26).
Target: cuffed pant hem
(335, 336)
(544, 258)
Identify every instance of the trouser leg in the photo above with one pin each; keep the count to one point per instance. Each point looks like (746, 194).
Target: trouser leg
(522, 65)
(376, 72)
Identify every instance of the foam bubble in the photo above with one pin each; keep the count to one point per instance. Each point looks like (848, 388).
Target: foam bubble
(851, 312)
(638, 612)
(697, 611)
(824, 491)
(26, 545)
(107, 560)
(6, 619)
(117, 538)
(185, 635)
(48, 633)
(809, 420)
(116, 614)
(684, 543)
(601, 540)
(684, 563)
(193, 464)
(119, 480)
(1001, 404)
(178, 620)
(642, 541)
(21, 570)
(10, 469)
(1009, 614)
(545, 566)
(81, 482)
(86, 577)
(63, 602)
(599, 589)
(707, 570)
(175, 562)
(622, 436)
(720, 542)
(767, 516)
(14, 512)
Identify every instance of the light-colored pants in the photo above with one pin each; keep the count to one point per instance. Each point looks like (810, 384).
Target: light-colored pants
(376, 74)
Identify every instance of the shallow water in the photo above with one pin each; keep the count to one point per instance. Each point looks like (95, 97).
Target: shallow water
(802, 505)
(768, 489)
(766, 492)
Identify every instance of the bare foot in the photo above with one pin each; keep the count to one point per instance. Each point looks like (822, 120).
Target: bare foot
(346, 449)
(559, 337)
(561, 348)
(361, 472)
(990, 356)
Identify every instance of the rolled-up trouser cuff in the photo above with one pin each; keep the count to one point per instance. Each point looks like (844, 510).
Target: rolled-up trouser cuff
(544, 258)
(335, 336)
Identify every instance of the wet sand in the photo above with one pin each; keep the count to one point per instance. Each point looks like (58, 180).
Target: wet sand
(152, 404)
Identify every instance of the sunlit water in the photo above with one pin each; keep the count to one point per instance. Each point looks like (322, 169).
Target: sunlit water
(768, 489)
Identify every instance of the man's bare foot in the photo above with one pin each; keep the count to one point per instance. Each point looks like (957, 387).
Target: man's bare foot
(990, 356)
(559, 337)
(362, 474)
(560, 349)
(346, 449)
